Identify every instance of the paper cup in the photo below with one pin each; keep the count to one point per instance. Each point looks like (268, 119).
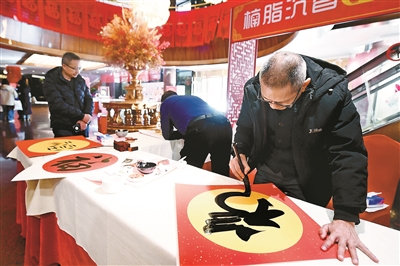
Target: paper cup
(112, 184)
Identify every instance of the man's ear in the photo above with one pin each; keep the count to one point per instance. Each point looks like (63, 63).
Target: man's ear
(305, 84)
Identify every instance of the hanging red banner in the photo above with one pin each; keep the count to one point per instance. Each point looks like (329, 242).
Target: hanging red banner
(260, 19)
(82, 18)
(85, 18)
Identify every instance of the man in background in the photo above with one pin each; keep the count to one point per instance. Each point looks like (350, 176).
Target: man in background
(24, 95)
(7, 100)
(299, 127)
(69, 98)
(204, 130)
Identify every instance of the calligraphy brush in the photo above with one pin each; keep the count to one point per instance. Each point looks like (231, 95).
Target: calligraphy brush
(220, 199)
(246, 178)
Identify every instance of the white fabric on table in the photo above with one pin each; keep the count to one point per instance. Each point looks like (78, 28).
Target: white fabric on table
(155, 143)
(151, 143)
(39, 194)
(137, 226)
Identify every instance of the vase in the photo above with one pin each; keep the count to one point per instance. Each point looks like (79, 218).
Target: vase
(134, 90)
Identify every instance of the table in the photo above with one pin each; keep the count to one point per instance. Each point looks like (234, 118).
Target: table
(40, 233)
(147, 141)
(125, 229)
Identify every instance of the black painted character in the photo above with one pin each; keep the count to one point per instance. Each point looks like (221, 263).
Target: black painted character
(79, 163)
(226, 221)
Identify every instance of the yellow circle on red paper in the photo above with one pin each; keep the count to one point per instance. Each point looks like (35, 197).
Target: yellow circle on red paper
(271, 239)
(57, 145)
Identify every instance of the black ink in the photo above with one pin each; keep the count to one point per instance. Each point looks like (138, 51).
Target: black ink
(59, 146)
(79, 163)
(225, 221)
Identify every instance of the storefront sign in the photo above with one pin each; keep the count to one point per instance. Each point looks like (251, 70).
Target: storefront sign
(260, 19)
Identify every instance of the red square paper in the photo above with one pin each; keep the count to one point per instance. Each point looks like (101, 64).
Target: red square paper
(296, 239)
(48, 146)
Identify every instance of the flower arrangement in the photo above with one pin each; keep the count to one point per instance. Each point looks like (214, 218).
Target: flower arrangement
(129, 43)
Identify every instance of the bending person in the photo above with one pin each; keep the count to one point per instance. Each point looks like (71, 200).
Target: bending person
(299, 127)
(204, 130)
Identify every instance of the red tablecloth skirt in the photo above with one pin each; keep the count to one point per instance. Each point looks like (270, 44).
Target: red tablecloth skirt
(46, 243)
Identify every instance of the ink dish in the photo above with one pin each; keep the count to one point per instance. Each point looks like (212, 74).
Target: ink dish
(146, 167)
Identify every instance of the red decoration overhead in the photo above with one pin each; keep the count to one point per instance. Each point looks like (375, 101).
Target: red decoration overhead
(85, 18)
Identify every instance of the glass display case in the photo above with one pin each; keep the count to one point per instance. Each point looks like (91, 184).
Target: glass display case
(375, 87)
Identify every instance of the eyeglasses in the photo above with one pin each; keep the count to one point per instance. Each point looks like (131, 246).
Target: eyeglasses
(79, 69)
(288, 106)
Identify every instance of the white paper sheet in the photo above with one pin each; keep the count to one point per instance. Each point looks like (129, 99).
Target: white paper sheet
(40, 173)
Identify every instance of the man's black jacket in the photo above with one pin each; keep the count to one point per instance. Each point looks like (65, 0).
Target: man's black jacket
(67, 104)
(328, 148)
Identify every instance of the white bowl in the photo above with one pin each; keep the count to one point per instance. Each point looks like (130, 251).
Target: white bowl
(112, 184)
(121, 132)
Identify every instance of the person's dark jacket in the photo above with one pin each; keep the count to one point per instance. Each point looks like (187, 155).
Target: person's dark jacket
(67, 105)
(24, 92)
(328, 148)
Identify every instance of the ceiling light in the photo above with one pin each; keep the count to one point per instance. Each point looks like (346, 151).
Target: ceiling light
(155, 12)
(155, 16)
(53, 61)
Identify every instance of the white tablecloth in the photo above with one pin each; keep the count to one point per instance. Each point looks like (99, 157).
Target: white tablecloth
(137, 226)
(154, 143)
(40, 192)
(159, 146)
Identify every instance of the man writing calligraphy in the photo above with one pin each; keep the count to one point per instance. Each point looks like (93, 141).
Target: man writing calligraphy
(299, 127)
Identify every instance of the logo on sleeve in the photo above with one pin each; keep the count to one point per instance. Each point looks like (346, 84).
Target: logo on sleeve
(314, 130)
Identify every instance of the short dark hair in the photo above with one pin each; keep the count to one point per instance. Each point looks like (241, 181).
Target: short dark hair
(5, 82)
(167, 94)
(68, 57)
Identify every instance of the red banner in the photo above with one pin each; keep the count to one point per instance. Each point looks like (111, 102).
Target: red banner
(257, 19)
(273, 17)
(82, 18)
(198, 26)
(85, 18)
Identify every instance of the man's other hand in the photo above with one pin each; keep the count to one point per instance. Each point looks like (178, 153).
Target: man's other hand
(82, 124)
(344, 234)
